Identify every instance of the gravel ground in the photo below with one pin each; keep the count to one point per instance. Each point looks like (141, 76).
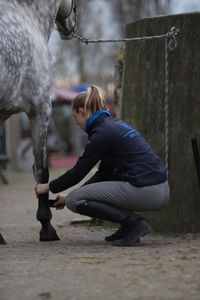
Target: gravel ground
(82, 266)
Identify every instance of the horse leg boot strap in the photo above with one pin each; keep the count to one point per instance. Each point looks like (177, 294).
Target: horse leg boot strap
(133, 225)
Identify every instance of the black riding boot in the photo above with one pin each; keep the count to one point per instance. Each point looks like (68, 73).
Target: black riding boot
(117, 235)
(133, 225)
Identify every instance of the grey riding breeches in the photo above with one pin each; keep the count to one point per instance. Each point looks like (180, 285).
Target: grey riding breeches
(121, 194)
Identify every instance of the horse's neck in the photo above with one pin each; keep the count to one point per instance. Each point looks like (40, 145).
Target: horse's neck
(44, 12)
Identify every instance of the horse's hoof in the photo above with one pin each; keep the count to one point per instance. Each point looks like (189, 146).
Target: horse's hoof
(48, 235)
(2, 241)
(44, 214)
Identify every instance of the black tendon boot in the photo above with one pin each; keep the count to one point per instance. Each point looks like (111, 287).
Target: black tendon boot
(133, 225)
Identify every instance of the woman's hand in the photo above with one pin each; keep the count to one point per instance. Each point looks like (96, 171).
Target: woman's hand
(60, 202)
(41, 189)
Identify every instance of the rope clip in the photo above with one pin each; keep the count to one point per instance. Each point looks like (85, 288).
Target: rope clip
(171, 38)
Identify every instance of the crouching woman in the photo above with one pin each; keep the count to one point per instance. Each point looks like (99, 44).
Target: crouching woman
(130, 176)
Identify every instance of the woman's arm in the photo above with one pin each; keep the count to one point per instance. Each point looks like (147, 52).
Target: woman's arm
(95, 149)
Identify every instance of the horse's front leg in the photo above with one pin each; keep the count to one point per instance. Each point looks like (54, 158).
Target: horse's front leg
(39, 126)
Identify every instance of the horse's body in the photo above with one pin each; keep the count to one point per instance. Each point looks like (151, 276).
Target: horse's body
(26, 77)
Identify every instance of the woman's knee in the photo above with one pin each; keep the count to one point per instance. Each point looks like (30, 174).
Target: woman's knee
(73, 199)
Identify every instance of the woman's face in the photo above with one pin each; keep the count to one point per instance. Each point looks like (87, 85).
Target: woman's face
(80, 118)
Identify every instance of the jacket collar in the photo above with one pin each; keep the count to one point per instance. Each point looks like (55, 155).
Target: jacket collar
(95, 115)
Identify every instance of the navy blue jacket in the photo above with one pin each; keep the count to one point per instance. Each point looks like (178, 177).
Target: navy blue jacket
(123, 153)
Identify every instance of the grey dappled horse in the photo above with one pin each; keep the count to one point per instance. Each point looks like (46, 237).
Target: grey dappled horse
(26, 76)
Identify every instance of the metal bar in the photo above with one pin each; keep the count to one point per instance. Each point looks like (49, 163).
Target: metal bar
(196, 157)
(2, 241)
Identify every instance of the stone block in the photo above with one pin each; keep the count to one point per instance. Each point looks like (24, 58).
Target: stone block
(143, 105)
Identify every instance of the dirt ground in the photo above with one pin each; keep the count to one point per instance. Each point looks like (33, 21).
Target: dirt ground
(82, 266)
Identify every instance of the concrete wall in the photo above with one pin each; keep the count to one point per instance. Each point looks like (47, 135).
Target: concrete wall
(143, 106)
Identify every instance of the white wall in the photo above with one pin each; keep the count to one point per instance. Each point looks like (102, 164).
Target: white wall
(181, 6)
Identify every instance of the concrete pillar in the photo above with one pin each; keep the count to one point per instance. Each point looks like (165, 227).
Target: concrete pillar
(143, 106)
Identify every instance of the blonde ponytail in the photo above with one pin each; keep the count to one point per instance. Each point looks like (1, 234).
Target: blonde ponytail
(91, 101)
